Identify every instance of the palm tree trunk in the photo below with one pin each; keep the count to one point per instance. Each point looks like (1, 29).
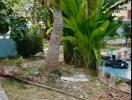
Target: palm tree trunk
(55, 40)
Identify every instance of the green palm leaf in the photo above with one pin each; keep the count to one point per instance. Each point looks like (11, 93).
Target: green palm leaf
(100, 31)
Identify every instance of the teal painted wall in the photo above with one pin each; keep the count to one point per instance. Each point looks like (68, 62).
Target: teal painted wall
(7, 48)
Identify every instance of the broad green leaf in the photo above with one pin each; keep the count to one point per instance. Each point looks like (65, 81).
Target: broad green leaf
(93, 7)
(71, 39)
(100, 30)
(113, 27)
(69, 23)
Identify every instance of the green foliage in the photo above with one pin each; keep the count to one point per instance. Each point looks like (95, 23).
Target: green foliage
(118, 82)
(58, 72)
(127, 30)
(49, 31)
(34, 10)
(29, 41)
(5, 15)
(18, 28)
(19, 61)
(71, 39)
(15, 83)
(32, 43)
(40, 13)
(90, 24)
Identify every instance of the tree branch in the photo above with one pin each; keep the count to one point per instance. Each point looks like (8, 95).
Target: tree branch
(39, 85)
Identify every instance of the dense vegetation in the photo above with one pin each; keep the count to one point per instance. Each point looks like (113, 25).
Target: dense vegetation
(88, 28)
(5, 15)
(29, 40)
(86, 24)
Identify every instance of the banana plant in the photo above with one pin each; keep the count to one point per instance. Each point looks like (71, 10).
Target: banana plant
(90, 24)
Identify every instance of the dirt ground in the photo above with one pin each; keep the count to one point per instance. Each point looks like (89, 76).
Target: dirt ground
(93, 89)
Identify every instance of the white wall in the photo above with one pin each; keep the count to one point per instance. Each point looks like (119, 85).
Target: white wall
(124, 13)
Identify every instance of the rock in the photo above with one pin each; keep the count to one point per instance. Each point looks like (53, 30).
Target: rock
(41, 54)
(75, 78)
(124, 87)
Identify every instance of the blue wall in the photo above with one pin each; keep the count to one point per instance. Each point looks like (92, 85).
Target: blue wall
(7, 48)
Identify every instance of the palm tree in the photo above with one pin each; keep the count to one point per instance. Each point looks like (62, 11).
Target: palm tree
(55, 40)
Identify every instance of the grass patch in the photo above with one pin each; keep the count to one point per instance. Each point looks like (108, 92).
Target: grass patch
(7, 62)
(10, 82)
(14, 60)
(118, 82)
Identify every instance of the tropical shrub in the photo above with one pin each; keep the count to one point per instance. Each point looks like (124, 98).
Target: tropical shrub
(29, 41)
(42, 14)
(71, 53)
(32, 43)
(5, 15)
(90, 23)
(18, 28)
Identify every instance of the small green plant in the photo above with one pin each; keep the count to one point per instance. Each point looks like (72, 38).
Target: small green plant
(19, 61)
(118, 82)
(59, 72)
(90, 24)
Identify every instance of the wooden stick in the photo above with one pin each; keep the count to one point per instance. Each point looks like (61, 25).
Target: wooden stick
(43, 86)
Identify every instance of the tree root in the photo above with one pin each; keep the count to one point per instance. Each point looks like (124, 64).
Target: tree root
(40, 85)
